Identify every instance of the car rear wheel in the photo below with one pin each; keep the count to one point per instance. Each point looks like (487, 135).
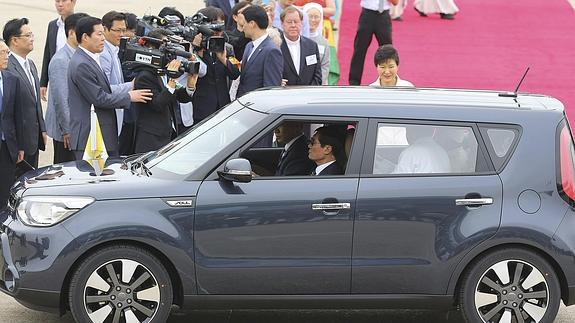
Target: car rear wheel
(510, 286)
(120, 284)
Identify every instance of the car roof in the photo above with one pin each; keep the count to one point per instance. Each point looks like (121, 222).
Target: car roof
(366, 99)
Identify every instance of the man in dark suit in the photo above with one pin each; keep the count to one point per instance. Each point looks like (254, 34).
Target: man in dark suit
(294, 157)
(214, 88)
(326, 150)
(155, 121)
(262, 64)
(55, 39)
(11, 127)
(301, 55)
(20, 40)
(88, 85)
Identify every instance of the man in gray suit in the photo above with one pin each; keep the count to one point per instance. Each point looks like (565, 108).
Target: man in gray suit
(58, 112)
(114, 29)
(88, 85)
(20, 39)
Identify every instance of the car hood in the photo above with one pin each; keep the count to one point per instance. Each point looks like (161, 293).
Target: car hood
(116, 181)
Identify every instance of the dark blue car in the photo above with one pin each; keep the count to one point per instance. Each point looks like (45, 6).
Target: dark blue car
(447, 198)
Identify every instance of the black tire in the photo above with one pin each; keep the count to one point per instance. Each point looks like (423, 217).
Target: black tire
(531, 288)
(141, 288)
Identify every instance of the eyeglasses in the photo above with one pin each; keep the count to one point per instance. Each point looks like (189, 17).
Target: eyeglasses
(28, 35)
(4, 52)
(119, 31)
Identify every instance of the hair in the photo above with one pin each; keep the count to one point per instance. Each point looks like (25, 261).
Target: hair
(13, 29)
(72, 20)
(171, 11)
(288, 10)
(131, 20)
(2, 41)
(335, 137)
(385, 53)
(86, 26)
(110, 17)
(239, 6)
(213, 13)
(257, 14)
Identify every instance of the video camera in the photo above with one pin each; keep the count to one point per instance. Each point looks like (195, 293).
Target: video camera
(137, 53)
(188, 29)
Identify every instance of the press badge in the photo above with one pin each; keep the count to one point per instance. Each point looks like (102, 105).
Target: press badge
(310, 60)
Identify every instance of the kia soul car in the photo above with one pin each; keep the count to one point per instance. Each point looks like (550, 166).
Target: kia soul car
(447, 199)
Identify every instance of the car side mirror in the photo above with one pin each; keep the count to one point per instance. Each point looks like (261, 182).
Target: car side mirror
(237, 170)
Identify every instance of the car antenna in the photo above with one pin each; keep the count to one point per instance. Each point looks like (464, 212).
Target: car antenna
(514, 93)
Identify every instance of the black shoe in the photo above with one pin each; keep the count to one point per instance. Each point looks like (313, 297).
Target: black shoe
(420, 12)
(447, 16)
(398, 18)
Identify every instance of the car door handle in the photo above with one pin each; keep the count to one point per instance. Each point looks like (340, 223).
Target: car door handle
(331, 206)
(474, 202)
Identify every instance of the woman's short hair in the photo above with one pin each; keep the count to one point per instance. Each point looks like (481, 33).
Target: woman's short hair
(385, 53)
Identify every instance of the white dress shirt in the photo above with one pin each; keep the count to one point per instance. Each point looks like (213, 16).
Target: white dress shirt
(376, 5)
(94, 56)
(321, 167)
(25, 63)
(257, 43)
(61, 35)
(294, 50)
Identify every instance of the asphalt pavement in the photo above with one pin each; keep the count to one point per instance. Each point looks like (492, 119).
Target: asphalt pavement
(11, 311)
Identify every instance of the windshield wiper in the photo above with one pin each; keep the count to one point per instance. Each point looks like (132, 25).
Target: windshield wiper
(139, 165)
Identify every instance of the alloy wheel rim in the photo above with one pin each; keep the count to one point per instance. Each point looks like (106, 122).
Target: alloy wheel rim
(512, 291)
(121, 291)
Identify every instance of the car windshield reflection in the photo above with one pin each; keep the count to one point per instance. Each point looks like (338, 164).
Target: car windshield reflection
(187, 153)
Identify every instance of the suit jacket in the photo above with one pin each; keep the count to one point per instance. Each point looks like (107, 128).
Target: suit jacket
(11, 123)
(87, 86)
(113, 70)
(32, 116)
(213, 91)
(49, 50)
(58, 112)
(332, 169)
(296, 161)
(263, 69)
(156, 116)
(309, 64)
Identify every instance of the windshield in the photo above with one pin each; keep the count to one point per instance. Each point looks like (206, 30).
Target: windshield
(187, 153)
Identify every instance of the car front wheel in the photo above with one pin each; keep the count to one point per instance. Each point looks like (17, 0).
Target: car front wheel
(510, 286)
(120, 284)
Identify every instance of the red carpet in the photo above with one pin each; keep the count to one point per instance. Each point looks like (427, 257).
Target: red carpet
(488, 46)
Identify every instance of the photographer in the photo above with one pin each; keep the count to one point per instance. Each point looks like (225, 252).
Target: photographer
(155, 121)
(214, 87)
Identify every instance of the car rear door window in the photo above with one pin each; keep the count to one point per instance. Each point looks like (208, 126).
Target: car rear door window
(407, 149)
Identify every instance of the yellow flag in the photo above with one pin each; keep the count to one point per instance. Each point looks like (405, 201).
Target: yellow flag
(95, 152)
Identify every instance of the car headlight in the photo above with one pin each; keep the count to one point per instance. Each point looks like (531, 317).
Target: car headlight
(44, 211)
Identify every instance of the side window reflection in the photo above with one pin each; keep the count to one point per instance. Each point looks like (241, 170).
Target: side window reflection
(299, 148)
(424, 149)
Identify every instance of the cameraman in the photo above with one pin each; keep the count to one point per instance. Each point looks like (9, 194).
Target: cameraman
(214, 87)
(155, 121)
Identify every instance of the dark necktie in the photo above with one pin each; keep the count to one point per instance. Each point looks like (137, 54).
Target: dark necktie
(247, 52)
